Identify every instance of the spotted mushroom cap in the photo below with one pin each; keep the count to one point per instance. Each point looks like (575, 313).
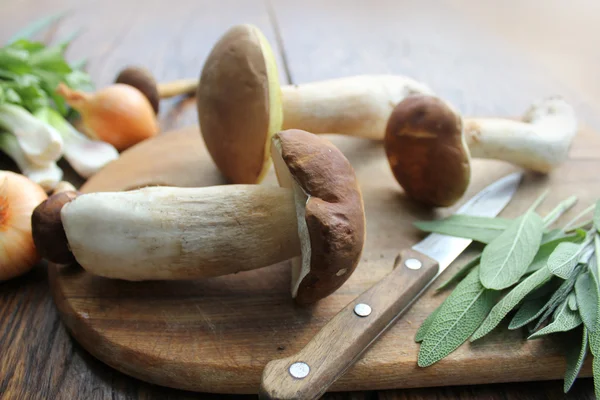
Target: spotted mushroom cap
(426, 150)
(330, 210)
(239, 104)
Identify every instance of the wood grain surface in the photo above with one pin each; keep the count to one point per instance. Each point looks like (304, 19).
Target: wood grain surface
(216, 335)
(485, 58)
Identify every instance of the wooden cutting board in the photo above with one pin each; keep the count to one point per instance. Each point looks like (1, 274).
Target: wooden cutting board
(216, 335)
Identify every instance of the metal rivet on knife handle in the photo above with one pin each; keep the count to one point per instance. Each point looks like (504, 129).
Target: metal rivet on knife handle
(413, 263)
(299, 370)
(362, 310)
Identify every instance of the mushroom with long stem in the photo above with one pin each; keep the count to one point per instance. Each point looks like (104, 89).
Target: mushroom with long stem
(316, 219)
(47, 176)
(429, 145)
(241, 104)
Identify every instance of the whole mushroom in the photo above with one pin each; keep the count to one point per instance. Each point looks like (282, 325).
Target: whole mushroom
(429, 145)
(241, 104)
(316, 219)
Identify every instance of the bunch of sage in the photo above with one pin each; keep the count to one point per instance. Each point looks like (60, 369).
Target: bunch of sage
(547, 279)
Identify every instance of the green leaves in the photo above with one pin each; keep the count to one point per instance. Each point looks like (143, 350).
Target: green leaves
(511, 300)
(597, 216)
(458, 317)
(548, 279)
(506, 258)
(575, 361)
(565, 319)
(480, 229)
(461, 273)
(565, 257)
(586, 291)
(420, 335)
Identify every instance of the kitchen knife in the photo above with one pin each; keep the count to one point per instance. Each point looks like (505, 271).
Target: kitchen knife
(309, 373)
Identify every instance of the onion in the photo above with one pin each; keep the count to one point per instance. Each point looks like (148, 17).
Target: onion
(118, 114)
(18, 198)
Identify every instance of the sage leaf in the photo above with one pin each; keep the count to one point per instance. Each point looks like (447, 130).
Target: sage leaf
(564, 320)
(460, 274)
(458, 317)
(564, 258)
(541, 257)
(586, 291)
(505, 260)
(575, 358)
(596, 218)
(572, 301)
(526, 313)
(559, 296)
(596, 374)
(422, 331)
(480, 229)
(511, 300)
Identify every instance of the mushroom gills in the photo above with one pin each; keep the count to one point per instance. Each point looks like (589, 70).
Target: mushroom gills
(181, 233)
(300, 264)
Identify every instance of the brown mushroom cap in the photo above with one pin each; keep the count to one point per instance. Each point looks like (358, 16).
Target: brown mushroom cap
(239, 104)
(47, 228)
(425, 146)
(330, 210)
(143, 80)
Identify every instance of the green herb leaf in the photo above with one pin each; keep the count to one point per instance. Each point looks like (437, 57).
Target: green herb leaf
(35, 27)
(564, 320)
(596, 372)
(480, 229)
(558, 297)
(597, 216)
(527, 313)
(511, 300)
(575, 358)
(505, 260)
(424, 328)
(564, 258)
(458, 317)
(541, 258)
(461, 273)
(586, 291)
(572, 300)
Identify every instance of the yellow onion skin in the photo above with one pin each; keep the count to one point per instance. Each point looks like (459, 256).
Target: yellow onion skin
(19, 196)
(118, 114)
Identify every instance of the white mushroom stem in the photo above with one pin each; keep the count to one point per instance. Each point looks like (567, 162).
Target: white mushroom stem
(539, 142)
(182, 233)
(40, 143)
(47, 176)
(357, 105)
(86, 156)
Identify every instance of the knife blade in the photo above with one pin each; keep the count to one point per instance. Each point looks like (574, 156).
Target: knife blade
(309, 373)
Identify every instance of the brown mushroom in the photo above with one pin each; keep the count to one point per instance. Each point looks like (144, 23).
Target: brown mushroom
(316, 219)
(241, 104)
(429, 144)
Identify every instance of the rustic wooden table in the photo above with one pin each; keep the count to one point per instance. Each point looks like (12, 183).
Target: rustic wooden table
(488, 60)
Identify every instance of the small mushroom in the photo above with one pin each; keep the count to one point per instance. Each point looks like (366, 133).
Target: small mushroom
(241, 104)
(429, 144)
(143, 80)
(316, 219)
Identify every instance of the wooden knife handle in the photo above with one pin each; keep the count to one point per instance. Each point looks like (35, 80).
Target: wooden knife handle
(309, 373)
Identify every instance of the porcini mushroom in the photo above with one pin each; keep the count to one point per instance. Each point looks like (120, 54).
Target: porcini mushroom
(429, 144)
(316, 218)
(241, 104)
